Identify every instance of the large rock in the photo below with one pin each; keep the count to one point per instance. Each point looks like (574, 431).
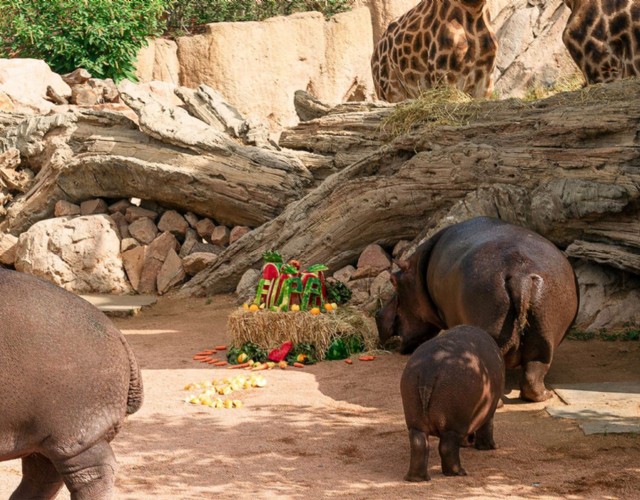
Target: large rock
(383, 12)
(329, 59)
(81, 254)
(531, 54)
(158, 60)
(25, 82)
(8, 245)
(608, 297)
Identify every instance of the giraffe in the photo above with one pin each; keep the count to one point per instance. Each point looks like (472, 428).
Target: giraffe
(436, 42)
(603, 38)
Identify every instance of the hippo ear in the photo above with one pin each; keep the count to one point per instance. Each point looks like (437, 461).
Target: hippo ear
(402, 264)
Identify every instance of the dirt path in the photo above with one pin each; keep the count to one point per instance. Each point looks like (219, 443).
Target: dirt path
(334, 429)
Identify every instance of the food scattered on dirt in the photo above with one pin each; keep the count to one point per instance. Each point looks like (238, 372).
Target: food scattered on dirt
(211, 390)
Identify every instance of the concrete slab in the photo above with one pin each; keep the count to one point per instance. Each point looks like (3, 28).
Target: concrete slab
(608, 407)
(120, 305)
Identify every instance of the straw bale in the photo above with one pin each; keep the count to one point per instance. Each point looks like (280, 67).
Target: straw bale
(269, 329)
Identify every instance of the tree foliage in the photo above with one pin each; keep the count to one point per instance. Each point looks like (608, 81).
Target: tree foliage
(102, 36)
(185, 15)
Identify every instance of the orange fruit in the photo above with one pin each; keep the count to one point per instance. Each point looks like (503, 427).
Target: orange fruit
(253, 308)
(315, 311)
(328, 307)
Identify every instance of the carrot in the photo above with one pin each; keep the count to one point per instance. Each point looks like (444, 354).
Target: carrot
(367, 358)
(213, 360)
(205, 360)
(220, 347)
(261, 367)
(221, 363)
(298, 365)
(349, 361)
(241, 365)
(198, 358)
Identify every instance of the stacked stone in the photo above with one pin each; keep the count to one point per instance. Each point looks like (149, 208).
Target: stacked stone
(125, 247)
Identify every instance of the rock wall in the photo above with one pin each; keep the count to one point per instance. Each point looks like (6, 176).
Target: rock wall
(258, 66)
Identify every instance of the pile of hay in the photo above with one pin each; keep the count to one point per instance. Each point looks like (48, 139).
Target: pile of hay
(269, 329)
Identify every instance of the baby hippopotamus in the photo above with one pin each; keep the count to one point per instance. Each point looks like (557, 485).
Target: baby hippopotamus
(450, 388)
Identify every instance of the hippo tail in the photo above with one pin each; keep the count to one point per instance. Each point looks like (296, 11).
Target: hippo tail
(135, 396)
(524, 292)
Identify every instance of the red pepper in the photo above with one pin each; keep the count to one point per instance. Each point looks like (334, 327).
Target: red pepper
(281, 352)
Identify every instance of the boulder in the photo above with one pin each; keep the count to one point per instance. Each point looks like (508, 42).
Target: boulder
(171, 273)
(381, 288)
(531, 55)
(80, 254)
(190, 239)
(128, 244)
(246, 289)
(220, 236)
(133, 261)
(119, 206)
(608, 297)
(64, 208)
(143, 230)
(121, 224)
(192, 219)
(156, 254)
(196, 262)
(134, 213)
(173, 222)
(238, 232)
(382, 12)
(25, 82)
(93, 207)
(372, 261)
(205, 227)
(84, 95)
(344, 274)
(158, 60)
(8, 245)
(328, 59)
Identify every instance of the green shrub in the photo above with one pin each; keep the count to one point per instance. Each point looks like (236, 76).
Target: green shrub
(102, 36)
(185, 15)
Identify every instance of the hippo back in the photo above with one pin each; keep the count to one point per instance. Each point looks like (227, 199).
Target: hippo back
(65, 368)
(453, 382)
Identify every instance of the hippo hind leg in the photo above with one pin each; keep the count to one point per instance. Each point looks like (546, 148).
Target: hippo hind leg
(40, 479)
(484, 436)
(419, 442)
(449, 449)
(536, 355)
(91, 474)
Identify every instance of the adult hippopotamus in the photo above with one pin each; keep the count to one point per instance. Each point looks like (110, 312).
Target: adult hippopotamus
(67, 381)
(505, 279)
(450, 388)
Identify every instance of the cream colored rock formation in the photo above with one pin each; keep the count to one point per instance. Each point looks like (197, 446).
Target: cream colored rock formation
(258, 66)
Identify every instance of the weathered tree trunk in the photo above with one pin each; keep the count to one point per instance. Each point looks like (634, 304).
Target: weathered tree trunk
(171, 158)
(568, 167)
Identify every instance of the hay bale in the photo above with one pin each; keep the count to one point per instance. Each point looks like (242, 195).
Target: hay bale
(269, 329)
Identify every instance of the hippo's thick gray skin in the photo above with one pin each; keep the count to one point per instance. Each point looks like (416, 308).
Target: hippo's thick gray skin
(67, 381)
(450, 388)
(505, 279)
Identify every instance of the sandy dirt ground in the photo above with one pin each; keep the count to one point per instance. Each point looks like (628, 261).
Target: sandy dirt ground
(336, 429)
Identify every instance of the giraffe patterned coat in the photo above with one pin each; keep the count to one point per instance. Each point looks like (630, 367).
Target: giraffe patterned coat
(436, 42)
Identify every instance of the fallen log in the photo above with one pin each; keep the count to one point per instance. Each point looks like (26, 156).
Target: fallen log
(564, 166)
(170, 157)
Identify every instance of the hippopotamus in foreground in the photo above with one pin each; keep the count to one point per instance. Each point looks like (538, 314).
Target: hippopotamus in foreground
(67, 381)
(505, 279)
(450, 388)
